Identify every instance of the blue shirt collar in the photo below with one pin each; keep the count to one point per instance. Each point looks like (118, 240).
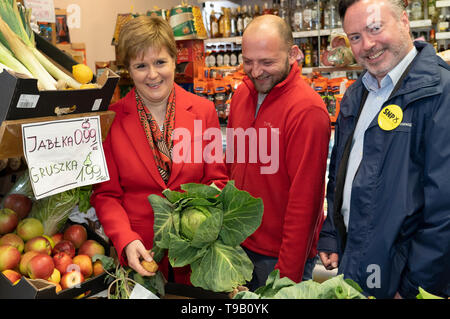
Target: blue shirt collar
(393, 76)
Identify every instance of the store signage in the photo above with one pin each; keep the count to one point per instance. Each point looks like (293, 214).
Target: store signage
(64, 154)
(42, 10)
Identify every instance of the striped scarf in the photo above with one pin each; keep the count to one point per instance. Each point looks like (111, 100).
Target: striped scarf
(160, 142)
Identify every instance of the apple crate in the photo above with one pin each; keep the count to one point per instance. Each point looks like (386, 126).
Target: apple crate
(21, 99)
(41, 289)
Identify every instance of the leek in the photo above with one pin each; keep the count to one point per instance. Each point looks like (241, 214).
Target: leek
(27, 34)
(18, 20)
(26, 56)
(10, 62)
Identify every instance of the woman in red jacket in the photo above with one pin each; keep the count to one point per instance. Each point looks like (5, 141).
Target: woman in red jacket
(138, 147)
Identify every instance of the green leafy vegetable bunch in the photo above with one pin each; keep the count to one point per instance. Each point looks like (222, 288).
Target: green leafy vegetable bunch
(284, 288)
(203, 226)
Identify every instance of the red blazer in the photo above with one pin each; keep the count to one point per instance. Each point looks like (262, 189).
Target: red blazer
(121, 203)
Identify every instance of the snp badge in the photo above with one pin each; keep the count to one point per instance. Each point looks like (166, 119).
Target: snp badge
(390, 117)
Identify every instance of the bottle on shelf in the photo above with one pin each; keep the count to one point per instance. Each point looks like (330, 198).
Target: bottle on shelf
(267, 9)
(433, 12)
(283, 11)
(416, 10)
(308, 54)
(320, 14)
(247, 17)
(256, 11)
(233, 22)
(331, 15)
(297, 17)
(239, 21)
(222, 22)
(315, 52)
(233, 56)
(226, 23)
(308, 22)
(214, 25)
(276, 7)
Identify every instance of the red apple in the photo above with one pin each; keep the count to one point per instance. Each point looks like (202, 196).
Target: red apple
(85, 264)
(23, 264)
(57, 237)
(65, 246)
(9, 257)
(8, 220)
(62, 262)
(13, 240)
(91, 247)
(77, 234)
(12, 275)
(29, 228)
(19, 203)
(40, 266)
(39, 244)
(71, 278)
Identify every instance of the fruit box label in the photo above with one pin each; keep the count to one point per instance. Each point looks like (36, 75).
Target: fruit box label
(64, 154)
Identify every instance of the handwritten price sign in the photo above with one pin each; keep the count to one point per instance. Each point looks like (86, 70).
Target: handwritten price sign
(64, 154)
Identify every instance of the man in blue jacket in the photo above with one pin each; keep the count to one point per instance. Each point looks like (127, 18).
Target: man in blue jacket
(388, 221)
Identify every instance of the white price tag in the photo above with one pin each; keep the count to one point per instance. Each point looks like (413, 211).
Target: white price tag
(27, 101)
(64, 154)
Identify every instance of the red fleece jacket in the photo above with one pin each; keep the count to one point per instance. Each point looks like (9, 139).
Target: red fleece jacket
(292, 116)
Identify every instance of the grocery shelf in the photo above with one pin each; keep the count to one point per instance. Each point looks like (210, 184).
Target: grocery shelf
(315, 33)
(237, 40)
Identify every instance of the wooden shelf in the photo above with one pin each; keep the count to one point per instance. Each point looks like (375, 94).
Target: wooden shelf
(11, 131)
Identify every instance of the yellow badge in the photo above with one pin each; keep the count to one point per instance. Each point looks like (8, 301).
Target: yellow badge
(390, 117)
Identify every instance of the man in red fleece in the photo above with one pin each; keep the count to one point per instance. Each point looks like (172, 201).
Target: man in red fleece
(277, 146)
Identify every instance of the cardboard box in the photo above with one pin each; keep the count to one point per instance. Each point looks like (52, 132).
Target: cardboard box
(190, 57)
(21, 98)
(41, 289)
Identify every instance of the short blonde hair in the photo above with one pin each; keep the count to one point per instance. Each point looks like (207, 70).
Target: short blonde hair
(143, 32)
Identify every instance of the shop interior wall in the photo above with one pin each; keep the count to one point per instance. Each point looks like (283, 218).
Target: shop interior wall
(98, 19)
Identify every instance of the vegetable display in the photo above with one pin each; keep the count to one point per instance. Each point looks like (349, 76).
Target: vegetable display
(18, 52)
(284, 288)
(203, 227)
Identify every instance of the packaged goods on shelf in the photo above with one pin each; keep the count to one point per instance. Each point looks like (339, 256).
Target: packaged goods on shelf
(331, 91)
(218, 84)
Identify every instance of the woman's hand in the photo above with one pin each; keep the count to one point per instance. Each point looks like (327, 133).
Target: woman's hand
(136, 251)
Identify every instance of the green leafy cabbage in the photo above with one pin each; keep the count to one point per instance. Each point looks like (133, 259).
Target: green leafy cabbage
(203, 227)
(284, 288)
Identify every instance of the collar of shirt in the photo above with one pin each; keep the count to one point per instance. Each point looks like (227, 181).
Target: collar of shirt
(393, 76)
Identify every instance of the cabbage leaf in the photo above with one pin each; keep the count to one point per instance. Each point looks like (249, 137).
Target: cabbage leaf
(212, 248)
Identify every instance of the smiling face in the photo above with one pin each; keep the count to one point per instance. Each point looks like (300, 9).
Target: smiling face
(378, 35)
(153, 74)
(266, 58)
